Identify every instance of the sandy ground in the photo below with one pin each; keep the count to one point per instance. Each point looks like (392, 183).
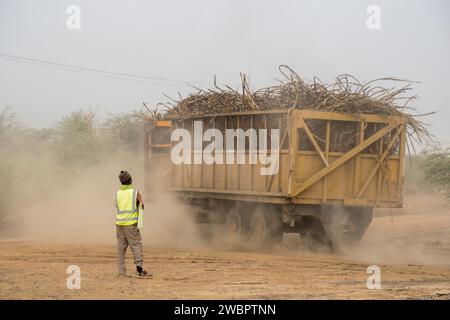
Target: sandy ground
(412, 249)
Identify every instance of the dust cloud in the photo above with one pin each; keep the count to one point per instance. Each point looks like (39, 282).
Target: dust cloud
(169, 223)
(419, 233)
(80, 210)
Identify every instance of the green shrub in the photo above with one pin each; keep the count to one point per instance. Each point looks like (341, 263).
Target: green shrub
(436, 168)
(76, 142)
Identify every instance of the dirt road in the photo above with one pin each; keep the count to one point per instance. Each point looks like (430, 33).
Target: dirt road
(412, 251)
(32, 269)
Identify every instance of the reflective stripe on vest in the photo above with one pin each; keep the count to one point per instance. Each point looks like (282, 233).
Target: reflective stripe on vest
(125, 200)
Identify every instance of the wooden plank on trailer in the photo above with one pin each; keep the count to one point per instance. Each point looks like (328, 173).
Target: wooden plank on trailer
(246, 192)
(327, 152)
(225, 151)
(336, 116)
(269, 183)
(252, 173)
(238, 123)
(292, 154)
(357, 169)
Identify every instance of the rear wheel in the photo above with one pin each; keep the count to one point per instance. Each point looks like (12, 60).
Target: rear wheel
(265, 228)
(234, 227)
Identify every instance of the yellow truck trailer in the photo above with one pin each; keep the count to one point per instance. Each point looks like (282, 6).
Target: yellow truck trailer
(332, 170)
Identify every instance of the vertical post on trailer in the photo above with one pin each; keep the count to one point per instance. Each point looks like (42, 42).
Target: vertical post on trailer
(327, 151)
(292, 155)
(357, 168)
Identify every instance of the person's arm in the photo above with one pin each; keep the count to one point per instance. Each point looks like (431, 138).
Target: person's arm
(140, 199)
(114, 202)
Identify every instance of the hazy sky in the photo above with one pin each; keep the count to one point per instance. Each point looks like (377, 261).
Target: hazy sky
(194, 40)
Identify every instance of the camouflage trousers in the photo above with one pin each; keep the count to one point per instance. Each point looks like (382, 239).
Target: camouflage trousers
(129, 236)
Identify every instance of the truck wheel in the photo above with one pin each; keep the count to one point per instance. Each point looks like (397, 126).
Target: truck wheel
(234, 227)
(265, 228)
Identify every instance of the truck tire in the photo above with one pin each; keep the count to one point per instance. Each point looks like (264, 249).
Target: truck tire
(234, 227)
(265, 228)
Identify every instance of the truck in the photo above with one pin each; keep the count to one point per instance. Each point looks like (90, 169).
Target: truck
(332, 170)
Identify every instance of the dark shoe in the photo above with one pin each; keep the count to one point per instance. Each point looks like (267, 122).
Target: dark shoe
(144, 274)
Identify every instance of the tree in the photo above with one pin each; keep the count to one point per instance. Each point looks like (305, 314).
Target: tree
(125, 131)
(76, 140)
(437, 170)
(9, 126)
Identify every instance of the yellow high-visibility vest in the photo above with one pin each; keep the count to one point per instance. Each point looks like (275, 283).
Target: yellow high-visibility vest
(125, 202)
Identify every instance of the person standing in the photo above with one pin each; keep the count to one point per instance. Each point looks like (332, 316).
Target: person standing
(127, 201)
